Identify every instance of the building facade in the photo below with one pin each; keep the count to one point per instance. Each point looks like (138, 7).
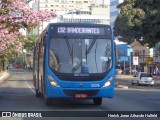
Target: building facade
(114, 11)
(156, 53)
(74, 11)
(65, 5)
(144, 54)
(156, 60)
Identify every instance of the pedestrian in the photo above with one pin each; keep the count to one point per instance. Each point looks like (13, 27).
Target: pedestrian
(156, 71)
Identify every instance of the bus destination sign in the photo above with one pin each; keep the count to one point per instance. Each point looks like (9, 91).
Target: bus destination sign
(80, 30)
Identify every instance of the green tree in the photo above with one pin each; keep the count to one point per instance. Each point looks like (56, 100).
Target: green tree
(138, 19)
(29, 42)
(7, 56)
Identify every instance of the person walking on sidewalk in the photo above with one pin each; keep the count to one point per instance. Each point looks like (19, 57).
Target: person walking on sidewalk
(156, 71)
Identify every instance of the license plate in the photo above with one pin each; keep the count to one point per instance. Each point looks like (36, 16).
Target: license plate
(81, 95)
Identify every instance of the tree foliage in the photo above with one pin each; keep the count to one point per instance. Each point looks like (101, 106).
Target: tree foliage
(138, 19)
(14, 15)
(29, 42)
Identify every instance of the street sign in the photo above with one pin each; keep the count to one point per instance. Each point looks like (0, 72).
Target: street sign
(123, 58)
(135, 60)
(149, 60)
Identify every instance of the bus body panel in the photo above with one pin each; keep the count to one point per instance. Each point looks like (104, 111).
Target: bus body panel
(70, 88)
(80, 87)
(59, 93)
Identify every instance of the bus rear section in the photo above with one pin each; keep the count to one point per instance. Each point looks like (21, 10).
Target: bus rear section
(79, 62)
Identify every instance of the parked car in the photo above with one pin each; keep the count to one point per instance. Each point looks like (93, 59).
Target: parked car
(143, 78)
(10, 66)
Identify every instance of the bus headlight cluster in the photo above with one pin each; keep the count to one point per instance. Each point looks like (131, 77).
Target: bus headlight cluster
(109, 82)
(52, 81)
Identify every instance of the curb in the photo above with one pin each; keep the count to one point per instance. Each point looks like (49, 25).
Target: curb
(122, 86)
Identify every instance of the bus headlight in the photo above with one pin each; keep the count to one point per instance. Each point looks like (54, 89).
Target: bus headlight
(52, 81)
(109, 82)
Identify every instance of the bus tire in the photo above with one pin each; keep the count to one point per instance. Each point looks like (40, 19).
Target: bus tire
(47, 101)
(97, 101)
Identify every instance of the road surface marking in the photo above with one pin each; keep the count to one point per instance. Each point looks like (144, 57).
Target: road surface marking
(29, 85)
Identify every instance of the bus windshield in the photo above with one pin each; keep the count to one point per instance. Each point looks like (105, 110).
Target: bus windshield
(82, 56)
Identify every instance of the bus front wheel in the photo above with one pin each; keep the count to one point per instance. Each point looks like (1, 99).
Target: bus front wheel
(97, 101)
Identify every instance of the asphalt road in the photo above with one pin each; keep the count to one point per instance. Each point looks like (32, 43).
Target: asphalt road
(17, 94)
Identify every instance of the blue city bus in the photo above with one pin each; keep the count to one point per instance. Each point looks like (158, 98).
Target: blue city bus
(75, 60)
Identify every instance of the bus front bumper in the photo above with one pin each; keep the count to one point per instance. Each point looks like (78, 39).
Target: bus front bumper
(57, 92)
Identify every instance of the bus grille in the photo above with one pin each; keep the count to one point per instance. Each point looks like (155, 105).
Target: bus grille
(74, 92)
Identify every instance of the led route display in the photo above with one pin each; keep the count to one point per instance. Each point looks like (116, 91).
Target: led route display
(80, 30)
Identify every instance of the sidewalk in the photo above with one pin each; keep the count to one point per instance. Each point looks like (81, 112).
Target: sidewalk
(156, 77)
(124, 76)
(3, 75)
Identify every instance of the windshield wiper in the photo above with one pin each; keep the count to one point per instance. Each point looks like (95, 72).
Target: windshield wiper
(68, 45)
(90, 47)
(76, 68)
